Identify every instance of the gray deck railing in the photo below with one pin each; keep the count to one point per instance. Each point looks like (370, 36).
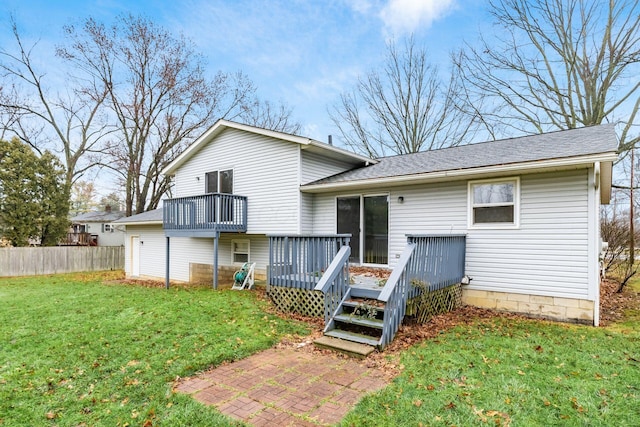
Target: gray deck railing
(300, 261)
(435, 261)
(334, 284)
(394, 295)
(206, 212)
(438, 261)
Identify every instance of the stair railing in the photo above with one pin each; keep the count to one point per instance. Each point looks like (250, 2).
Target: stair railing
(394, 295)
(334, 283)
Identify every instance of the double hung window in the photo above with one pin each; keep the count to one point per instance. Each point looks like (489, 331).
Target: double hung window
(494, 203)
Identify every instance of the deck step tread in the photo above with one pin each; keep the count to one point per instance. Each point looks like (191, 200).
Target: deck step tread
(352, 336)
(355, 303)
(365, 293)
(359, 320)
(348, 347)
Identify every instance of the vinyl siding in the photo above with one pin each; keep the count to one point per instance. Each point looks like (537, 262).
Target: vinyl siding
(306, 213)
(546, 255)
(200, 250)
(152, 250)
(109, 238)
(324, 213)
(316, 166)
(266, 170)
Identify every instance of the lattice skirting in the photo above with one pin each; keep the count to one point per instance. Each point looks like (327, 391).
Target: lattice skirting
(301, 301)
(428, 304)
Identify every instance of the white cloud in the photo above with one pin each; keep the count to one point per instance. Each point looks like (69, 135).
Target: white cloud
(407, 16)
(361, 6)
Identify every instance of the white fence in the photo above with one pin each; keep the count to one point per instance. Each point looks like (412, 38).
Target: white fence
(59, 259)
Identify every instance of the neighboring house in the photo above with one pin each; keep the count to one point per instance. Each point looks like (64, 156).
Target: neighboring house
(96, 228)
(529, 208)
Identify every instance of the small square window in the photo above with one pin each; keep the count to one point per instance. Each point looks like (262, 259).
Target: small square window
(494, 203)
(240, 251)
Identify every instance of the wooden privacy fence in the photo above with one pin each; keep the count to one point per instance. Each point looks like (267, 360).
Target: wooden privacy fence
(59, 259)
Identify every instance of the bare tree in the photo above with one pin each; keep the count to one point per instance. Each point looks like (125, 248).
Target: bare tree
(556, 64)
(83, 194)
(68, 122)
(266, 115)
(134, 98)
(403, 108)
(158, 95)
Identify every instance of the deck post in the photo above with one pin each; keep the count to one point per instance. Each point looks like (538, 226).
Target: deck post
(166, 272)
(215, 260)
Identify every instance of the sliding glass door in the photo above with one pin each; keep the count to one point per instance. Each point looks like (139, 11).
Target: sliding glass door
(349, 223)
(371, 214)
(376, 229)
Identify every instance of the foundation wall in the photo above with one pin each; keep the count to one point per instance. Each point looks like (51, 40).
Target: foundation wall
(556, 308)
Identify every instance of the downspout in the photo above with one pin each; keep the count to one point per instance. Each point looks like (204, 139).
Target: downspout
(166, 272)
(596, 244)
(215, 260)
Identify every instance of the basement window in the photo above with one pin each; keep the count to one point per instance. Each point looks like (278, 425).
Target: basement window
(240, 251)
(494, 203)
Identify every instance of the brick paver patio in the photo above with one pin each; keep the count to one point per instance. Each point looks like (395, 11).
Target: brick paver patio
(285, 387)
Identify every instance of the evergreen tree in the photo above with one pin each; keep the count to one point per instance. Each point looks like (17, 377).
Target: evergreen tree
(33, 195)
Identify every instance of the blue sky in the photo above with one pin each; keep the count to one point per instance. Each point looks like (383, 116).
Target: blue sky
(302, 52)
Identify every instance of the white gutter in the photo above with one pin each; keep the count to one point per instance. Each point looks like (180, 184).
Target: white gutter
(584, 161)
(154, 222)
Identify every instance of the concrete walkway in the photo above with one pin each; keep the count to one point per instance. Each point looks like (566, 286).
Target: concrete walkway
(286, 387)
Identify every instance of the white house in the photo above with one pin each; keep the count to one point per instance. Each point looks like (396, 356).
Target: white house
(97, 228)
(529, 208)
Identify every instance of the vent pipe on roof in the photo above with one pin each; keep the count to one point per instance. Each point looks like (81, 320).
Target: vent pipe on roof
(330, 140)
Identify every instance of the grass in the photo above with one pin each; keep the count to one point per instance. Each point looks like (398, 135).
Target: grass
(634, 283)
(513, 372)
(76, 352)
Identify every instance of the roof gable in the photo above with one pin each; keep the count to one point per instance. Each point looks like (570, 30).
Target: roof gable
(306, 143)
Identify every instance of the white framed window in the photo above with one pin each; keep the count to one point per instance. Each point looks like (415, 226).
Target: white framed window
(494, 203)
(108, 228)
(219, 182)
(240, 251)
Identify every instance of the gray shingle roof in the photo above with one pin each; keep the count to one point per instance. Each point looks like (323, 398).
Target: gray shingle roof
(554, 145)
(98, 216)
(149, 216)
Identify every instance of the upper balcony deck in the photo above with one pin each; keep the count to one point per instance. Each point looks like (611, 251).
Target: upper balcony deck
(205, 215)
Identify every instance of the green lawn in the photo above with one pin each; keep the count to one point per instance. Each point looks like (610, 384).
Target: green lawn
(513, 372)
(76, 352)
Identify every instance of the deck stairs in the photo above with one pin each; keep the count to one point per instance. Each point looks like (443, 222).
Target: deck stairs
(359, 319)
(368, 315)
